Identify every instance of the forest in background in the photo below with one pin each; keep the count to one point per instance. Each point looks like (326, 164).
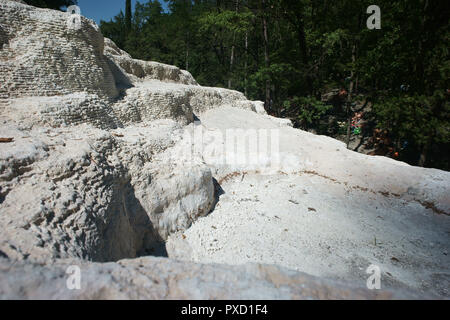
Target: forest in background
(315, 62)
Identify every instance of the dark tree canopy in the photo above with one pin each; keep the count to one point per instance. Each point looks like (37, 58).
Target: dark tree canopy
(51, 4)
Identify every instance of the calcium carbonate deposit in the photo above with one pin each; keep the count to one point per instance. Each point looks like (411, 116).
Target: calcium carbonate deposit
(159, 188)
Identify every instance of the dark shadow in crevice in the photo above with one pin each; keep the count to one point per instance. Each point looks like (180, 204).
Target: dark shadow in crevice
(150, 241)
(3, 255)
(197, 121)
(157, 249)
(122, 80)
(3, 195)
(3, 38)
(129, 232)
(218, 191)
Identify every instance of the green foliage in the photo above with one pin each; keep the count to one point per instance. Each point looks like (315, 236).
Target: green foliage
(114, 29)
(227, 21)
(309, 110)
(418, 119)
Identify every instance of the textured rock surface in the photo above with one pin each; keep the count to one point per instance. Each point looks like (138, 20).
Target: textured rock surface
(111, 157)
(41, 56)
(91, 194)
(137, 70)
(158, 278)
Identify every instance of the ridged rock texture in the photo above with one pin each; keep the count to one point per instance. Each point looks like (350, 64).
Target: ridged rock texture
(114, 160)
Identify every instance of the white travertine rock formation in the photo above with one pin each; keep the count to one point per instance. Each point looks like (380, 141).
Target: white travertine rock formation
(114, 158)
(151, 100)
(90, 194)
(41, 56)
(139, 70)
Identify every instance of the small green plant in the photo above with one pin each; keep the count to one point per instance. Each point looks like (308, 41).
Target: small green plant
(309, 110)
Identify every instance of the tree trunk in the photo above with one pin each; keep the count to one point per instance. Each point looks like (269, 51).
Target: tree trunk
(304, 50)
(187, 56)
(233, 48)
(231, 67)
(420, 57)
(302, 39)
(128, 16)
(349, 98)
(266, 54)
(246, 64)
(423, 156)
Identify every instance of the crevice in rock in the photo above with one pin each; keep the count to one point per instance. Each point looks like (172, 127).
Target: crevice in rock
(3, 194)
(122, 81)
(129, 233)
(3, 38)
(432, 206)
(218, 191)
(197, 121)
